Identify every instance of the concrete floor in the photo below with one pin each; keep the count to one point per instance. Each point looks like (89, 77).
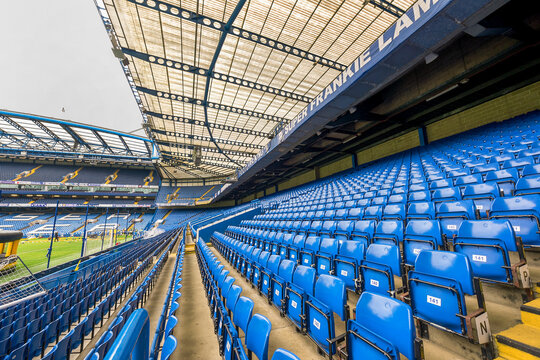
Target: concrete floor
(196, 338)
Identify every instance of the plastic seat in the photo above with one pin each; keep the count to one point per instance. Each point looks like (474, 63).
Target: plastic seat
(324, 258)
(379, 269)
(364, 230)
(168, 347)
(523, 212)
(446, 194)
(419, 196)
(421, 235)
(389, 232)
(311, 247)
(271, 268)
(482, 195)
(344, 230)
(302, 285)
(373, 212)
(394, 212)
(242, 312)
(452, 214)
(280, 281)
(330, 297)
(488, 245)
(421, 210)
(528, 186)
(282, 354)
(36, 344)
(506, 180)
(384, 329)
(437, 289)
(258, 336)
(296, 246)
(232, 297)
(346, 262)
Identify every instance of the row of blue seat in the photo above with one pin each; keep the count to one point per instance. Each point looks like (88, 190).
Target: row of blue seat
(233, 312)
(61, 307)
(137, 299)
(171, 305)
(383, 328)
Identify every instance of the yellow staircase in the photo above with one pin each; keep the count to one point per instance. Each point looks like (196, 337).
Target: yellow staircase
(151, 176)
(75, 174)
(172, 196)
(114, 176)
(20, 176)
(522, 342)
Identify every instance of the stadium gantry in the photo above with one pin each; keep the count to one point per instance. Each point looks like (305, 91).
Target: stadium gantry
(335, 179)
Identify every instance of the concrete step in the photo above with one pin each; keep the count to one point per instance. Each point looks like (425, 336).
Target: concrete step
(519, 342)
(530, 313)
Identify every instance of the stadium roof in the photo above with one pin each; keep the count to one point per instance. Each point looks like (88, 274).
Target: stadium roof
(24, 134)
(224, 76)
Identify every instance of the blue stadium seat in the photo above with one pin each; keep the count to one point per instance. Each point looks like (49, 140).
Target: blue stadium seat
(383, 330)
(389, 232)
(421, 210)
(311, 247)
(488, 245)
(523, 212)
(452, 214)
(344, 230)
(394, 212)
(282, 354)
(364, 230)
(258, 336)
(272, 267)
(482, 195)
(280, 282)
(296, 246)
(381, 268)
(419, 196)
(446, 194)
(531, 170)
(330, 297)
(528, 185)
(421, 235)
(346, 262)
(302, 285)
(324, 258)
(437, 288)
(168, 347)
(373, 212)
(506, 180)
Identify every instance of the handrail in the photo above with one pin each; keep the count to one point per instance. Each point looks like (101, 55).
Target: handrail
(132, 342)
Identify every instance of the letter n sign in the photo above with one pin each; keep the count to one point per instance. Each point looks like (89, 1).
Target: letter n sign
(483, 329)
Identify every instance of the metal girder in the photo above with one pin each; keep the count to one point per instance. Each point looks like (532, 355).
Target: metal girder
(209, 163)
(212, 125)
(51, 134)
(204, 138)
(166, 162)
(176, 162)
(209, 158)
(76, 138)
(239, 32)
(105, 145)
(215, 75)
(387, 7)
(128, 150)
(25, 132)
(212, 105)
(12, 138)
(204, 148)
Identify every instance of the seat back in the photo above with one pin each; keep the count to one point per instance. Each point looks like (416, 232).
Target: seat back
(330, 290)
(232, 296)
(242, 312)
(286, 269)
(523, 212)
(304, 277)
(258, 336)
(389, 232)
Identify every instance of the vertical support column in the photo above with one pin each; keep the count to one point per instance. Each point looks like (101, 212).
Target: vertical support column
(83, 247)
(317, 172)
(354, 161)
(422, 135)
(49, 252)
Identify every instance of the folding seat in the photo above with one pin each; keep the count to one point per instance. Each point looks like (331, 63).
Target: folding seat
(355, 213)
(274, 244)
(492, 250)
(280, 281)
(20, 353)
(311, 247)
(315, 227)
(328, 228)
(370, 195)
(417, 187)
(330, 297)
(531, 170)
(528, 185)
(437, 289)
(324, 258)
(389, 232)
(452, 214)
(379, 200)
(421, 235)
(518, 164)
(446, 194)
(267, 273)
(394, 212)
(419, 196)
(400, 190)
(257, 267)
(364, 231)
(397, 199)
(285, 245)
(36, 345)
(343, 229)
(349, 204)
(463, 181)
(257, 338)
(482, 195)
(383, 329)
(296, 246)
(373, 213)
(319, 214)
(362, 203)
(347, 261)
(381, 269)
(523, 212)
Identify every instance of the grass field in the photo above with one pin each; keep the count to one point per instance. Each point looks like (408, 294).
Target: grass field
(34, 251)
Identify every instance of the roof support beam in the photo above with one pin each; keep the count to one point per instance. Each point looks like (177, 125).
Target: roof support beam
(77, 138)
(212, 125)
(209, 158)
(209, 163)
(204, 148)
(105, 145)
(204, 138)
(51, 134)
(12, 138)
(25, 132)
(386, 6)
(176, 166)
(241, 33)
(176, 162)
(128, 150)
(212, 105)
(215, 75)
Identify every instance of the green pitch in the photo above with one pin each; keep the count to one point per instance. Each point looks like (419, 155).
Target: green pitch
(34, 251)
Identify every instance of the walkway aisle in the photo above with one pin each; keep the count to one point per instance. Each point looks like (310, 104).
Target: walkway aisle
(195, 333)
(283, 334)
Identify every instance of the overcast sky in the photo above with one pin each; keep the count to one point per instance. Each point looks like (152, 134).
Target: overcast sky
(56, 54)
